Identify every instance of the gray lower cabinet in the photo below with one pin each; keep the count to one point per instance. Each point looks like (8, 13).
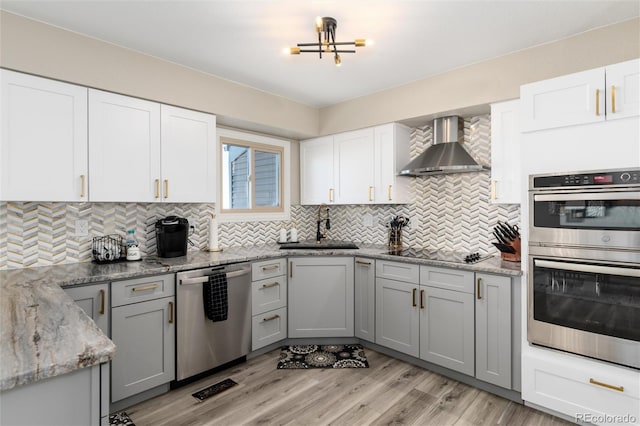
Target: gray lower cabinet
(143, 329)
(94, 300)
(493, 329)
(320, 299)
(268, 302)
(365, 299)
(397, 311)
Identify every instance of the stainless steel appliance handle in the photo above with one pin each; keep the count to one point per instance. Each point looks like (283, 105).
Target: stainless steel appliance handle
(205, 278)
(595, 269)
(586, 196)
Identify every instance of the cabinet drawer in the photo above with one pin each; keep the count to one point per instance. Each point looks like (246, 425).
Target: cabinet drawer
(142, 289)
(268, 328)
(268, 269)
(450, 279)
(581, 387)
(269, 294)
(398, 271)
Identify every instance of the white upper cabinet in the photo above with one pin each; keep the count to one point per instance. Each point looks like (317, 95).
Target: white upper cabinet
(188, 145)
(391, 154)
(43, 140)
(356, 167)
(141, 151)
(353, 167)
(124, 148)
(316, 171)
(505, 153)
(585, 97)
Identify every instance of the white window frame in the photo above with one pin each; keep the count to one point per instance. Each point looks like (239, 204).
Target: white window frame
(255, 216)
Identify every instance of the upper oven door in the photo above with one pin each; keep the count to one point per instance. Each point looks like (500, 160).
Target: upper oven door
(608, 218)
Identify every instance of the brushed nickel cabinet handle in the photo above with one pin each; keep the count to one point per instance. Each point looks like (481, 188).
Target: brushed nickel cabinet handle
(276, 316)
(170, 312)
(478, 284)
(166, 188)
(389, 192)
(157, 188)
(421, 299)
(370, 188)
(102, 296)
(270, 268)
(613, 99)
(598, 102)
(606, 385)
(83, 181)
(273, 284)
(360, 262)
(290, 269)
(413, 295)
(144, 288)
(331, 195)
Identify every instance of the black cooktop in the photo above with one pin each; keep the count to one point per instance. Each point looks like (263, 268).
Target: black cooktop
(440, 255)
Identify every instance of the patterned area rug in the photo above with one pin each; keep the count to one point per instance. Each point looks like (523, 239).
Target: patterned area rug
(323, 356)
(120, 419)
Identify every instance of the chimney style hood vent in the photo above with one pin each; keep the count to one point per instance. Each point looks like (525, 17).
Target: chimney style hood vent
(446, 155)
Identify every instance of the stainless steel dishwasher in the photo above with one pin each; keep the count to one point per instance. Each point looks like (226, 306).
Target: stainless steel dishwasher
(201, 344)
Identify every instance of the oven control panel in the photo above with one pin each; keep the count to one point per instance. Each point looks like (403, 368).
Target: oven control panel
(606, 178)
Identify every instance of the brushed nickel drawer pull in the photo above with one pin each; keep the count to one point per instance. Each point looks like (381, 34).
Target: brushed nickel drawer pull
(273, 284)
(166, 188)
(597, 101)
(144, 288)
(290, 269)
(370, 188)
(606, 385)
(413, 295)
(331, 195)
(478, 284)
(270, 268)
(360, 262)
(389, 192)
(613, 99)
(170, 312)
(83, 180)
(157, 188)
(421, 299)
(276, 316)
(102, 295)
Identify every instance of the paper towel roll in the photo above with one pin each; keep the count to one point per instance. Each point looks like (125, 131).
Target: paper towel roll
(213, 234)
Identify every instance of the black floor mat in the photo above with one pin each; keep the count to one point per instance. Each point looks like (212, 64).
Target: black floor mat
(214, 389)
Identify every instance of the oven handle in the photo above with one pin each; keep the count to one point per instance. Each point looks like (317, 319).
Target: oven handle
(587, 196)
(595, 269)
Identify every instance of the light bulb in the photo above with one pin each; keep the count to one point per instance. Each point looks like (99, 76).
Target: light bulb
(293, 50)
(318, 24)
(337, 60)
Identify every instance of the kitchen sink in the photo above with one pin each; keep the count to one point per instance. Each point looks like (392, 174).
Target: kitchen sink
(323, 245)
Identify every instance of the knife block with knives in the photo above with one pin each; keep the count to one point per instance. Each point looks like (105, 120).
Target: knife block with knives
(508, 241)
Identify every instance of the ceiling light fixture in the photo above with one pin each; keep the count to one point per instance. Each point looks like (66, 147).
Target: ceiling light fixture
(326, 28)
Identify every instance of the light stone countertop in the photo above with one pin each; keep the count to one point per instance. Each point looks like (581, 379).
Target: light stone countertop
(43, 333)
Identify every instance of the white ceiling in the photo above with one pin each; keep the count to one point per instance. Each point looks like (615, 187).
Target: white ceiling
(243, 40)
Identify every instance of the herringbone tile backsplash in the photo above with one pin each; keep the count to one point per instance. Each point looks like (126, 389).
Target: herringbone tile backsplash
(449, 212)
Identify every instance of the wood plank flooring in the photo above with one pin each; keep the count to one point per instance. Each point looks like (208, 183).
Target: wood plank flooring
(389, 392)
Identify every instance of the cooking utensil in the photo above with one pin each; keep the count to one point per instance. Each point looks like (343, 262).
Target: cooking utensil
(504, 248)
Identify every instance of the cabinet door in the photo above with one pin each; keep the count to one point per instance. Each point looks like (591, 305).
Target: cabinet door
(321, 297)
(623, 90)
(447, 329)
(94, 300)
(124, 148)
(365, 299)
(391, 153)
(353, 167)
(43, 140)
(145, 336)
(493, 329)
(505, 152)
(564, 101)
(188, 155)
(397, 316)
(316, 171)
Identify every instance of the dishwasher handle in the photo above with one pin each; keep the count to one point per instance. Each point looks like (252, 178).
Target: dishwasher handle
(205, 278)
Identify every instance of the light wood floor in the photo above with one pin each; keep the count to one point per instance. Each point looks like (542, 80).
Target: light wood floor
(389, 392)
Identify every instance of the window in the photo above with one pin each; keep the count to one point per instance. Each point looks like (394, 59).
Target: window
(253, 177)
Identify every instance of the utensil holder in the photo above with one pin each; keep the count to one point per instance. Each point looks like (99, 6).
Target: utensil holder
(513, 257)
(395, 238)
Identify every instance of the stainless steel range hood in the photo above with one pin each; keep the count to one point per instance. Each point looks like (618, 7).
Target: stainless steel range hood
(446, 155)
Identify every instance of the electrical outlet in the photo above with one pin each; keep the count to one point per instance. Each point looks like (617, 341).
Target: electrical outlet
(82, 228)
(367, 219)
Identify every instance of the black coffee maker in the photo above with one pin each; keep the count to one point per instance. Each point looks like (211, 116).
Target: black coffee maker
(172, 234)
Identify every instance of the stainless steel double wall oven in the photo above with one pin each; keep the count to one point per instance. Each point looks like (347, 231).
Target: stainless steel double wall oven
(584, 264)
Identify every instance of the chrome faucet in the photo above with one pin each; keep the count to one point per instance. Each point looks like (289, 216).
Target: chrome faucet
(320, 235)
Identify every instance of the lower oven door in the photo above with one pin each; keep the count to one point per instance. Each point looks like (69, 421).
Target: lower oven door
(585, 307)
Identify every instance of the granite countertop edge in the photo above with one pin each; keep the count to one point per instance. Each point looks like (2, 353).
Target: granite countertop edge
(56, 336)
